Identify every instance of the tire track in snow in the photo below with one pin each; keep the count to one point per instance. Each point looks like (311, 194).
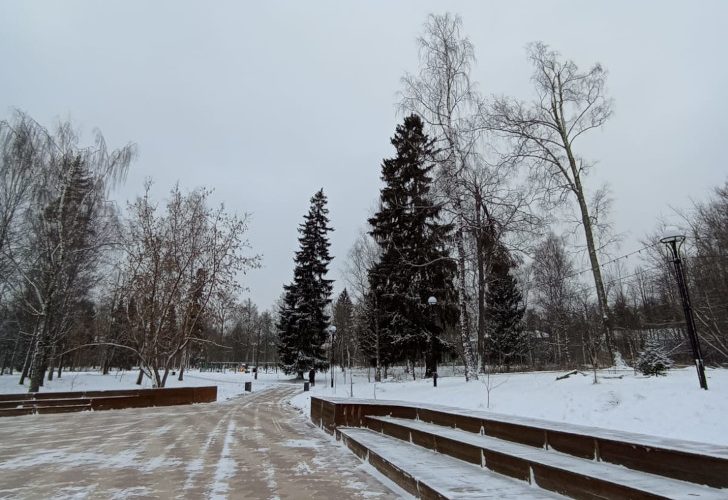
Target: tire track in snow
(225, 468)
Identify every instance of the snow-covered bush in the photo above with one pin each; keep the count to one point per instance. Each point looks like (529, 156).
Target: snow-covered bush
(653, 360)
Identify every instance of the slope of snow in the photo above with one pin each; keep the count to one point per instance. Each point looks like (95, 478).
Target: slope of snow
(228, 384)
(671, 406)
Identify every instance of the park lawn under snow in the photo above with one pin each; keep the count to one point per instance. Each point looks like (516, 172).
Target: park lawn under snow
(229, 384)
(671, 406)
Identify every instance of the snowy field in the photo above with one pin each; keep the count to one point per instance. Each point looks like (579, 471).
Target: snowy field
(229, 384)
(671, 406)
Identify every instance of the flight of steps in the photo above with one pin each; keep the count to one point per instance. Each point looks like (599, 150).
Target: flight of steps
(441, 461)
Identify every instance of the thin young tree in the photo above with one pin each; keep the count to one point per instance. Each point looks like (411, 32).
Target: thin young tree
(554, 293)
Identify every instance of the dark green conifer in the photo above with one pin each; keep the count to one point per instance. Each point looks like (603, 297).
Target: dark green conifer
(303, 320)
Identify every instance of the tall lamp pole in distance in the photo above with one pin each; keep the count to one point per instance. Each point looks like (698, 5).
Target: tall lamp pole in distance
(674, 239)
(332, 331)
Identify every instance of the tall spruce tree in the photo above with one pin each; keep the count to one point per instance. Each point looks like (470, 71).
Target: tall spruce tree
(303, 320)
(505, 310)
(414, 263)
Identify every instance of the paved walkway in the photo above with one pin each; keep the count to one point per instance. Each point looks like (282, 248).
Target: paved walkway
(255, 446)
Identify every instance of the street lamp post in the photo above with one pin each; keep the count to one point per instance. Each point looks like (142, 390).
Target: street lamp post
(431, 302)
(674, 239)
(332, 331)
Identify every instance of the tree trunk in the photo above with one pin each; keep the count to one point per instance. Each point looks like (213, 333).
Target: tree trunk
(29, 356)
(60, 366)
(597, 273)
(157, 380)
(182, 365)
(38, 364)
(480, 260)
(378, 370)
(51, 363)
(591, 246)
(12, 356)
(140, 377)
(468, 357)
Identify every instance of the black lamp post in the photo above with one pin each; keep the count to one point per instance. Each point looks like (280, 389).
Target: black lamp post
(674, 239)
(332, 331)
(432, 302)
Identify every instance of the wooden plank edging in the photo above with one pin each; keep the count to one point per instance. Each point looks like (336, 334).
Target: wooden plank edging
(104, 400)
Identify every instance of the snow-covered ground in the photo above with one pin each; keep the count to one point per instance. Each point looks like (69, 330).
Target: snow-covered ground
(228, 383)
(671, 406)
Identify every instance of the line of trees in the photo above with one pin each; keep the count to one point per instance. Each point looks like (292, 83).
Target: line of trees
(83, 283)
(485, 208)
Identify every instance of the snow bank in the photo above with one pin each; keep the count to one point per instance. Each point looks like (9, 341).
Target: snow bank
(672, 406)
(229, 384)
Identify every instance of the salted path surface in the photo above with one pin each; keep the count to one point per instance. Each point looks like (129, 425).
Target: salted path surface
(254, 446)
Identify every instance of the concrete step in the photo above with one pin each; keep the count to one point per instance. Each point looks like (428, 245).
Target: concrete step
(549, 469)
(431, 475)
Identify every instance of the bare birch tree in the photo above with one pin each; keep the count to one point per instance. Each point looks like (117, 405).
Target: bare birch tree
(569, 103)
(444, 96)
(67, 225)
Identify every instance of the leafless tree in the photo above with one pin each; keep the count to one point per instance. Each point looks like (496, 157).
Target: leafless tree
(707, 265)
(554, 293)
(362, 256)
(568, 104)
(21, 141)
(177, 261)
(67, 226)
(444, 96)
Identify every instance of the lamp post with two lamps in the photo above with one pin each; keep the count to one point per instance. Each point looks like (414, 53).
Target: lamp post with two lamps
(674, 239)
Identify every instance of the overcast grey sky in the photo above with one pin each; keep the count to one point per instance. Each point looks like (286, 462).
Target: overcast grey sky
(266, 102)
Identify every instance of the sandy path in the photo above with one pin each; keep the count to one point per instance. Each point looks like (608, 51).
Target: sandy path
(255, 446)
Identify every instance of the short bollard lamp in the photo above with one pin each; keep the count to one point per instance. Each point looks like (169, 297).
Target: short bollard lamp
(674, 239)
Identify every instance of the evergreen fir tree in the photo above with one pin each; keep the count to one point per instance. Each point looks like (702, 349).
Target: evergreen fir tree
(505, 310)
(414, 264)
(303, 321)
(653, 360)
